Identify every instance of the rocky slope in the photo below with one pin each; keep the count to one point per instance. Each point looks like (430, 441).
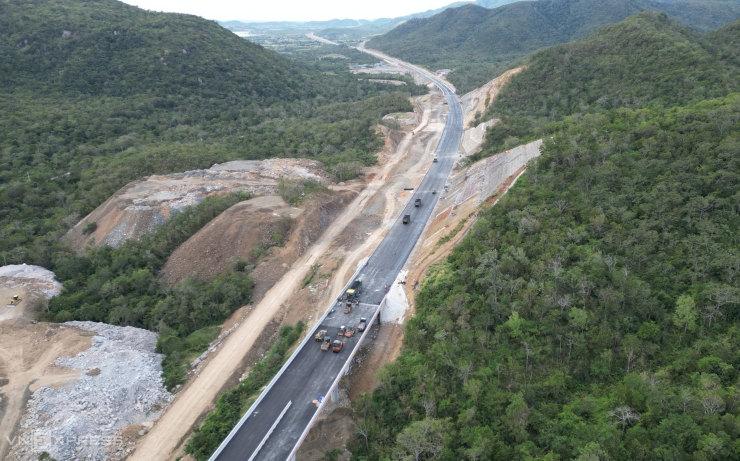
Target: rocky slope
(142, 205)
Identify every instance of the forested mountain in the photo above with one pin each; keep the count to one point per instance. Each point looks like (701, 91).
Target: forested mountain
(109, 48)
(476, 42)
(98, 93)
(647, 59)
(592, 313)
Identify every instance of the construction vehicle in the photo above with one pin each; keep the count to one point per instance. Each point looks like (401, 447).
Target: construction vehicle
(337, 346)
(341, 331)
(15, 300)
(319, 335)
(348, 307)
(353, 291)
(406, 218)
(349, 332)
(435, 160)
(326, 344)
(417, 202)
(362, 325)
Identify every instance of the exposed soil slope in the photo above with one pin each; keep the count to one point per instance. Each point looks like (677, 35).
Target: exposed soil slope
(235, 235)
(142, 205)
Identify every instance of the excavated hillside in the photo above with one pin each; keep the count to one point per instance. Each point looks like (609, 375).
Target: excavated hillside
(263, 228)
(142, 205)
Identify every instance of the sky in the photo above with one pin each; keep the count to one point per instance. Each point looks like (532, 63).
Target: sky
(291, 10)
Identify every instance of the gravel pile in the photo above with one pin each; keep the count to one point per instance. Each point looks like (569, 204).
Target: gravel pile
(120, 384)
(24, 275)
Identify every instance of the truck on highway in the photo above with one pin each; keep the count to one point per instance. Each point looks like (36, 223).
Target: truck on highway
(406, 218)
(362, 325)
(326, 344)
(319, 336)
(417, 202)
(337, 346)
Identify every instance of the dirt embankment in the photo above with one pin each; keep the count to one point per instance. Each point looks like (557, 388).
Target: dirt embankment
(240, 233)
(141, 206)
(304, 286)
(476, 102)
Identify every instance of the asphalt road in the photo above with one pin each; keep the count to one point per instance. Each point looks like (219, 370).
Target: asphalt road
(274, 425)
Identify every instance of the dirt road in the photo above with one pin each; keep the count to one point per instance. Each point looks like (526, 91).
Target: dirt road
(171, 429)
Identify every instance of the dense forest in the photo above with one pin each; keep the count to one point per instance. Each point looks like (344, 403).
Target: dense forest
(591, 314)
(98, 93)
(646, 59)
(478, 43)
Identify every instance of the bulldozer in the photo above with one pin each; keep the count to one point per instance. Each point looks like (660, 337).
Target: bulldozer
(319, 336)
(15, 300)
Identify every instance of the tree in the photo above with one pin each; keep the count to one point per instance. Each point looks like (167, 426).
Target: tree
(517, 416)
(422, 437)
(685, 314)
(625, 416)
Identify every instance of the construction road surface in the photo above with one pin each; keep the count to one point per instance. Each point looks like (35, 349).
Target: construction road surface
(280, 417)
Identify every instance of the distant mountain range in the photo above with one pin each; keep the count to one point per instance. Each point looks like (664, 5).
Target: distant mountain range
(477, 42)
(362, 26)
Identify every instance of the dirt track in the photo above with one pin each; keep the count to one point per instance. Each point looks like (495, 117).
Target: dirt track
(26, 361)
(396, 169)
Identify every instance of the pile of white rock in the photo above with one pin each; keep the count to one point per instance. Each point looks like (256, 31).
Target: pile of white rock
(120, 384)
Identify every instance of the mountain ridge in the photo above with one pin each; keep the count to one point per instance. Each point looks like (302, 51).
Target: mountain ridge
(477, 43)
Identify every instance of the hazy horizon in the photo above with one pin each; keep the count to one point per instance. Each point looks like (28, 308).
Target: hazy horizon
(290, 10)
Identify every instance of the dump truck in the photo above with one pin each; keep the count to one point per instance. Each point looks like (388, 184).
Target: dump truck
(435, 160)
(326, 344)
(417, 202)
(337, 346)
(349, 332)
(406, 218)
(362, 325)
(319, 336)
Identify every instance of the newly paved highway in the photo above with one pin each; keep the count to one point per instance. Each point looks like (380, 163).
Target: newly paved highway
(275, 423)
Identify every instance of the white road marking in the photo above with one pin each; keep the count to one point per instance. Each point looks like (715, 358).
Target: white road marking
(269, 433)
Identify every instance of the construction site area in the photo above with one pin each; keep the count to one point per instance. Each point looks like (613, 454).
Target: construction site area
(49, 372)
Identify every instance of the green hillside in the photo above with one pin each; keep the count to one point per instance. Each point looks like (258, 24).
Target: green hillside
(98, 93)
(592, 314)
(645, 60)
(478, 43)
(109, 48)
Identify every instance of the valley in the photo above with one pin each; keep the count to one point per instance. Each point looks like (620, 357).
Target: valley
(533, 203)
